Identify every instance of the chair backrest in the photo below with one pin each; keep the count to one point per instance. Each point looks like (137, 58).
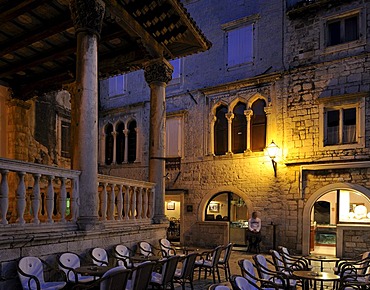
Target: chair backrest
(227, 252)
(278, 260)
(122, 253)
(166, 247)
(68, 261)
(145, 249)
(260, 260)
(99, 257)
(247, 271)
(27, 267)
(115, 279)
(188, 265)
(218, 287)
(141, 276)
(240, 283)
(169, 269)
(216, 254)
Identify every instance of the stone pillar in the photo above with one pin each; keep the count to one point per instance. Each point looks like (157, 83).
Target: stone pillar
(248, 114)
(125, 156)
(114, 134)
(157, 74)
(212, 135)
(87, 16)
(269, 132)
(229, 117)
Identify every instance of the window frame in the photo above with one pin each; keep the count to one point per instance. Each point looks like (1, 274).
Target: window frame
(339, 103)
(341, 17)
(180, 136)
(60, 120)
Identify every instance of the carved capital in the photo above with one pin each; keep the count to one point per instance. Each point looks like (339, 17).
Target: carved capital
(160, 71)
(87, 15)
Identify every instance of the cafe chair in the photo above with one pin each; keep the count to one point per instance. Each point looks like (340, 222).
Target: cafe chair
(355, 273)
(99, 257)
(167, 248)
(264, 271)
(341, 262)
(141, 276)
(68, 262)
(296, 263)
(165, 277)
(185, 274)
(209, 262)
(31, 275)
(248, 273)
(147, 249)
(123, 256)
(223, 262)
(114, 279)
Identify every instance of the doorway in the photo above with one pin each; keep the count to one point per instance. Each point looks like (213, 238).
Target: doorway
(173, 210)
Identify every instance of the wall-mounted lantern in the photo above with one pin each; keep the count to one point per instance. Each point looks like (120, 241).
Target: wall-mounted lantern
(272, 150)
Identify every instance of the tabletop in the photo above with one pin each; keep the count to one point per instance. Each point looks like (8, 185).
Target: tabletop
(322, 258)
(142, 258)
(92, 270)
(318, 276)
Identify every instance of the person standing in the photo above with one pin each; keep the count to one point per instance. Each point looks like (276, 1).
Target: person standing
(254, 232)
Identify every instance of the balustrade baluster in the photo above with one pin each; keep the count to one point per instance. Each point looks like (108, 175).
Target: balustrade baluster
(35, 198)
(63, 200)
(119, 202)
(146, 200)
(111, 202)
(133, 202)
(4, 196)
(103, 202)
(127, 200)
(139, 205)
(50, 199)
(21, 198)
(151, 202)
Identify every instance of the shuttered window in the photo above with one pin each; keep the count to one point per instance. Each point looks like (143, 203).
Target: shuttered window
(240, 45)
(174, 142)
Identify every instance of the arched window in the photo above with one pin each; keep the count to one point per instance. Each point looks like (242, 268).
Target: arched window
(226, 206)
(109, 144)
(258, 126)
(120, 143)
(239, 129)
(132, 139)
(220, 131)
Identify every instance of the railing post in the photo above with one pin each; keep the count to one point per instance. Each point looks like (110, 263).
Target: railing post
(111, 202)
(133, 202)
(75, 200)
(119, 202)
(21, 198)
(127, 201)
(146, 201)
(35, 198)
(151, 202)
(140, 203)
(63, 200)
(4, 196)
(103, 202)
(50, 199)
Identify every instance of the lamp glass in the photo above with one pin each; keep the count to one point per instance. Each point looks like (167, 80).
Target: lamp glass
(272, 149)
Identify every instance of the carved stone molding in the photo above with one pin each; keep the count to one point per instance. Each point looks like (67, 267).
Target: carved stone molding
(87, 15)
(158, 72)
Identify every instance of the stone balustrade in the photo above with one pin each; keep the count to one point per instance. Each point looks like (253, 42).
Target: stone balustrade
(33, 193)
(125, 199)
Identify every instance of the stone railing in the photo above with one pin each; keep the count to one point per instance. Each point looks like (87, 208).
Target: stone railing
(32, 193)
(125, 199)
(35, 193)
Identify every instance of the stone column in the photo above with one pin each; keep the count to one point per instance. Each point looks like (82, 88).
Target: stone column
(229, 117)
(87, 16)
(157, 74)
(114, 134)
(248, 115)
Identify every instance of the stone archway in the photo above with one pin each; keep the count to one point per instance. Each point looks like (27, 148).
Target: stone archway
(310, 203)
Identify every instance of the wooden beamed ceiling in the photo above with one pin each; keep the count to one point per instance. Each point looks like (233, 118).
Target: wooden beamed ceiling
(38, 43)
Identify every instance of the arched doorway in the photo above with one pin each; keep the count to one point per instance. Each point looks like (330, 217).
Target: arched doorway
(329, 208)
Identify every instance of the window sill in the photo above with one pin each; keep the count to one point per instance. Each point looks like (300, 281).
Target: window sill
(344, 46)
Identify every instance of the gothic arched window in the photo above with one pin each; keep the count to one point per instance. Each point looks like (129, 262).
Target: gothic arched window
(239, 129)
(109, 144)
(132, 139)
(258, 126)
(120, 143)
(220, 131)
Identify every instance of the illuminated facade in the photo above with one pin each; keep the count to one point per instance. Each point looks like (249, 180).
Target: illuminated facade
(295, 73)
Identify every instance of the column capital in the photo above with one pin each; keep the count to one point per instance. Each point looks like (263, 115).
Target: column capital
(158, 71)
(87, 15)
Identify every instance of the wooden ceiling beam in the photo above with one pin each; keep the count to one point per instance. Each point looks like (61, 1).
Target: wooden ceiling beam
(135, 30)
(16, 8)
(35, 35)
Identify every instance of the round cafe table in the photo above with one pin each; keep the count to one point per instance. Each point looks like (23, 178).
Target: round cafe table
(306, 276)
(92, 270)
(322, 260)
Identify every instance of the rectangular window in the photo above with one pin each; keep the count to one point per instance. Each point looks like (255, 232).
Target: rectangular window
(343, 30)
(174, 136)
(240, 45)
(341, 126)
(177, 71)
(65, 139)
(116, 86)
